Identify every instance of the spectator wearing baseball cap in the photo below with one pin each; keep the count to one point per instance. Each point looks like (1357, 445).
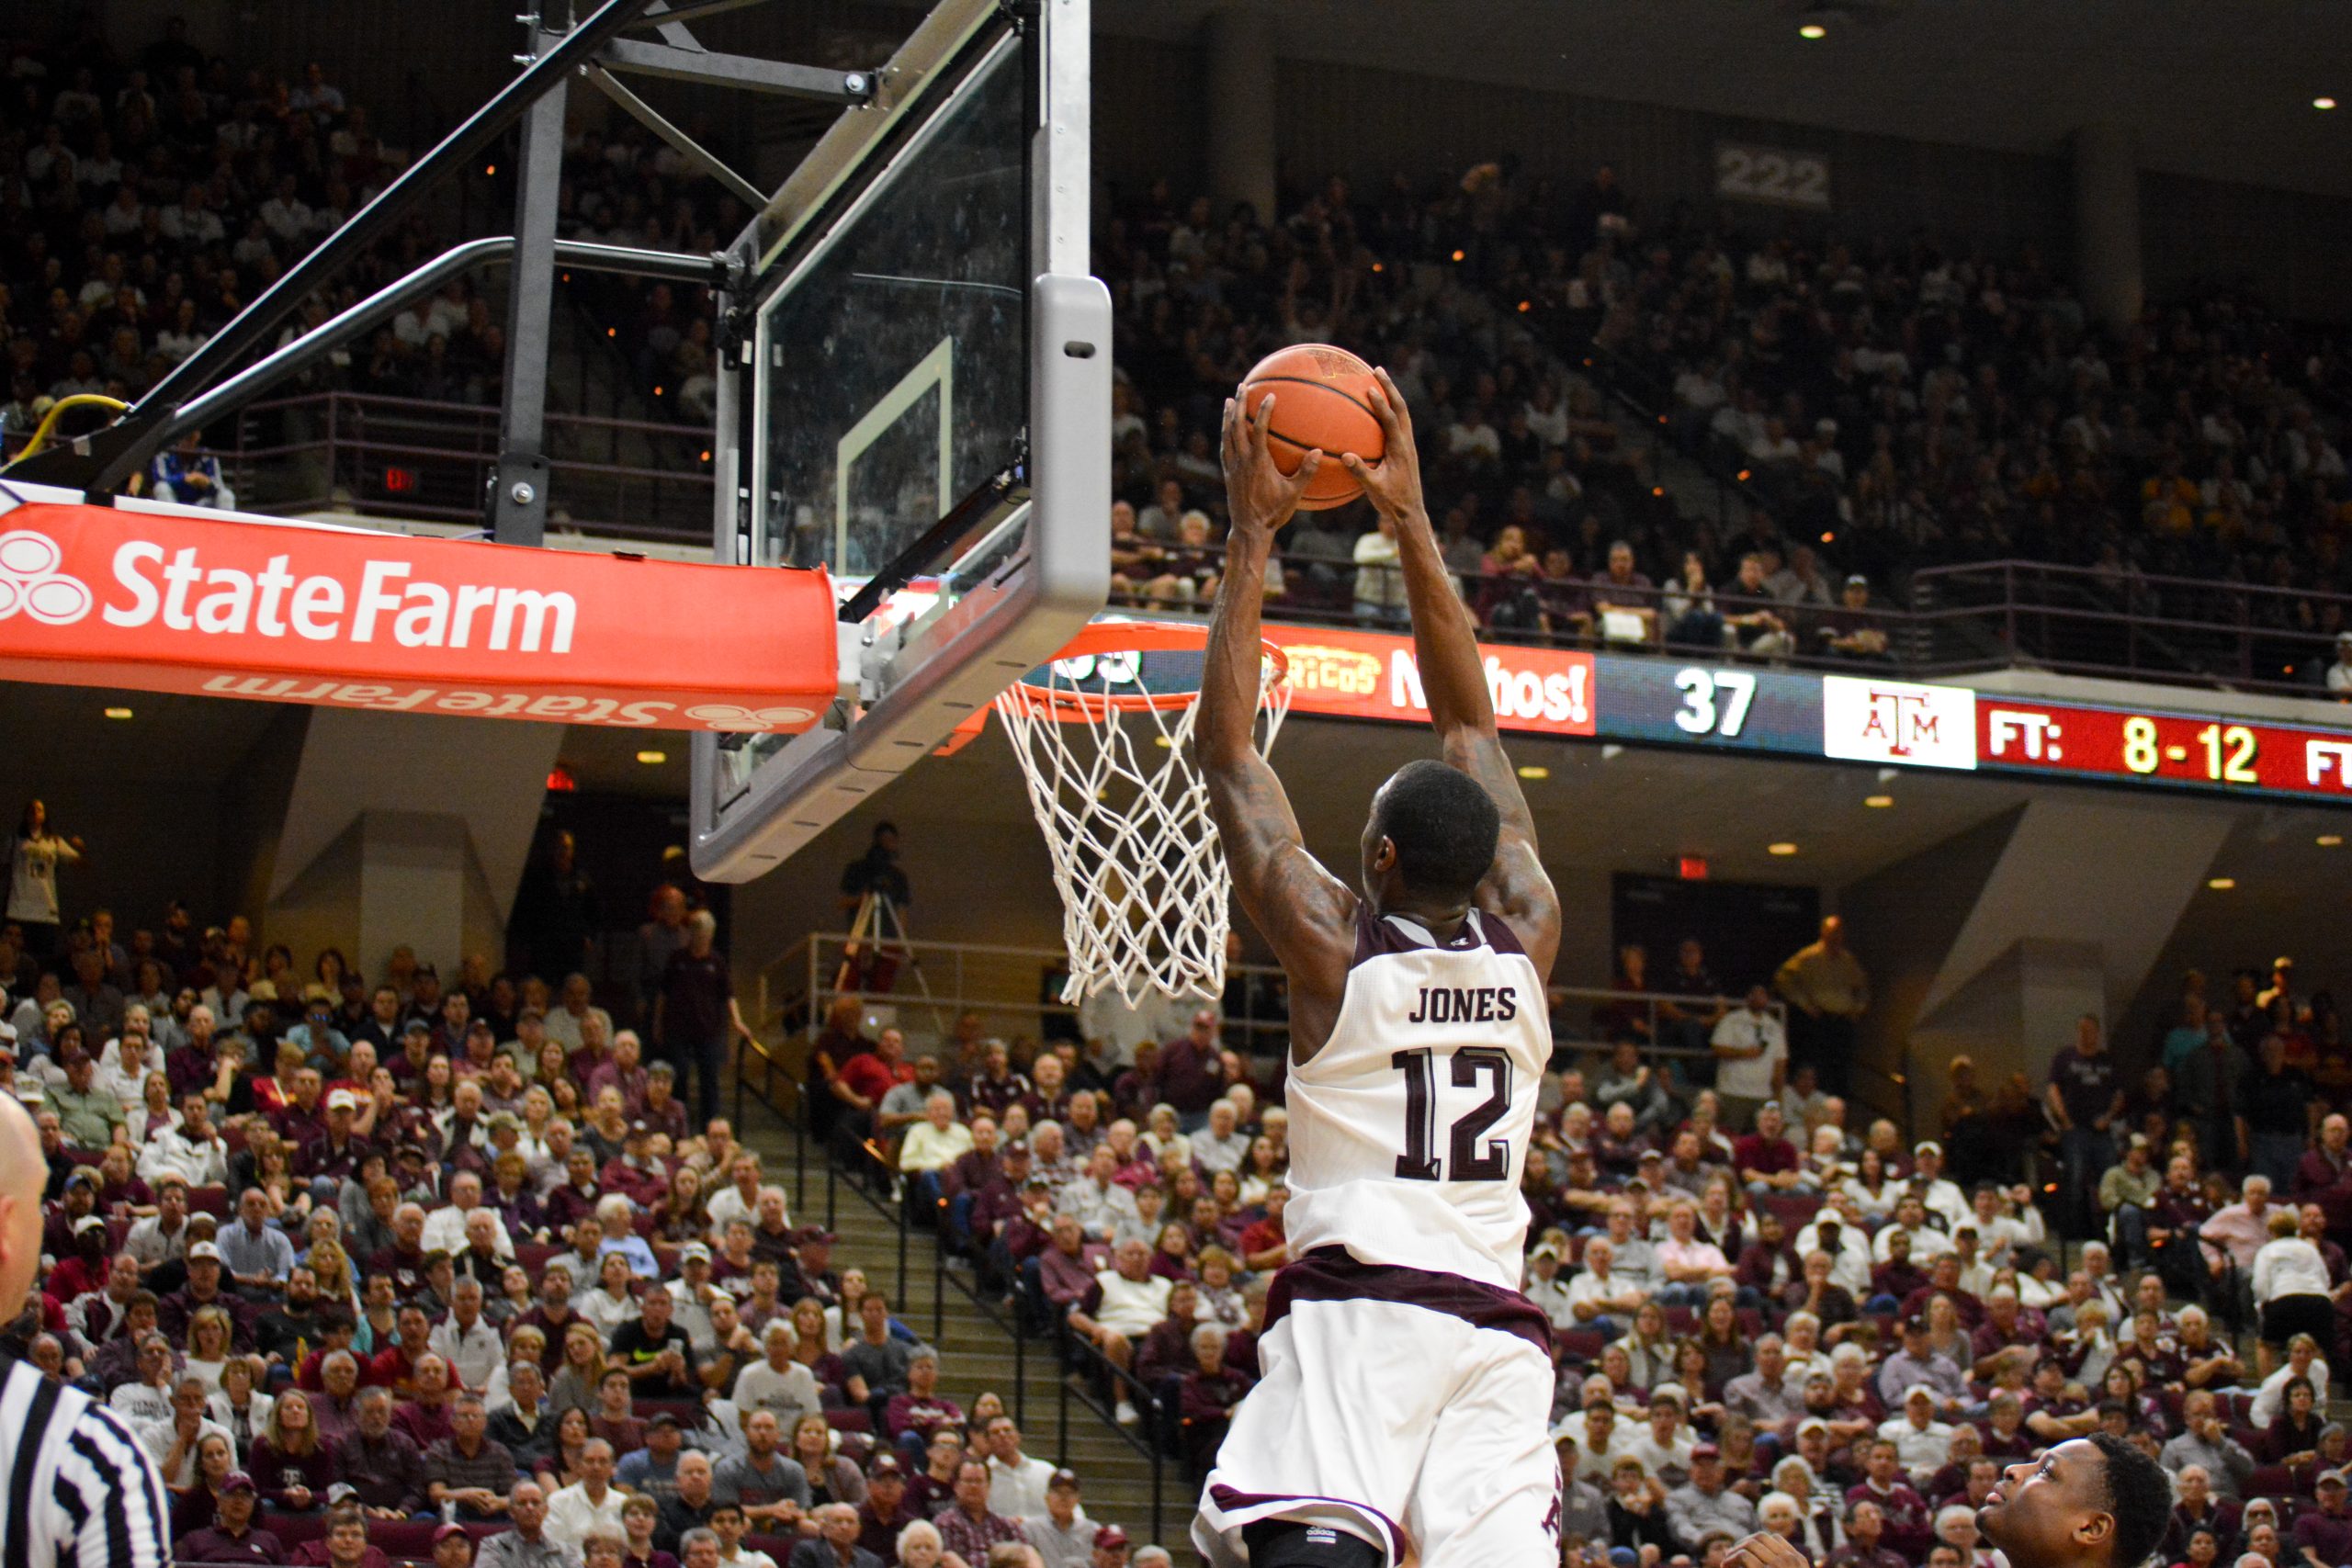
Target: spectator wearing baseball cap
(1063, 1537)
(886, 1511)
(1110, 1545)
(332, 1154)
(231, 1538)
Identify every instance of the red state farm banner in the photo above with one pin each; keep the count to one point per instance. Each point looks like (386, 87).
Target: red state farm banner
(174, 599)
(1353, 674)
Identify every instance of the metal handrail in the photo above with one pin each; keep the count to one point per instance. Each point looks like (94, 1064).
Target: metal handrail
(1070, 1349)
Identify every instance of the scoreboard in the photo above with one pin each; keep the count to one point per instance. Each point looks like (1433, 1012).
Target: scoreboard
(1716, 706)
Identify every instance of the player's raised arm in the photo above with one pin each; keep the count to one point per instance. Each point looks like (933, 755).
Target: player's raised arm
(1454, 679)
(1306, 912)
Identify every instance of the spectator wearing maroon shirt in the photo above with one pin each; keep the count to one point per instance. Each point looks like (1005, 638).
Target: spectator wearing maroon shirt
(696, 1014)
(860, 1085)
(1765, 1158)
(405, 1259)
(995, 1087)
(2324, 1535)
(1266, 1244)
(1910, 1528)
(1865, 1539)
(885, 1510)
(1193, 1071)
(333, 1152)
(232, 1537)
(394, 1367)
(1066, 1269)
(1943, 1280)
(922, 1410)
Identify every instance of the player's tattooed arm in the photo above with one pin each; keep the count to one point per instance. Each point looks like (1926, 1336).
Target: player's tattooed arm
(1454, 678)
(1306, 914)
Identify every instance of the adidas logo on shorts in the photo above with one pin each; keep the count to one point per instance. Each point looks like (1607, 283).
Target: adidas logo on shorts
(1320, 1535)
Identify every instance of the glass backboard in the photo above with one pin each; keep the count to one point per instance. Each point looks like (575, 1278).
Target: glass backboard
(917, 388)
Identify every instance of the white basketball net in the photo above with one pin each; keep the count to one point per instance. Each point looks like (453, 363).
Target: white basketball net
(1125, 816)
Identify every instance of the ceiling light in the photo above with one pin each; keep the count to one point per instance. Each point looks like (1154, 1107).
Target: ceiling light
(1879, 802)
(1532, 771)
(118, 713)
(1813, 32)
(1782, 848)
(2322, 102)
(653, 759)
(2330, 840)
(2220, 884)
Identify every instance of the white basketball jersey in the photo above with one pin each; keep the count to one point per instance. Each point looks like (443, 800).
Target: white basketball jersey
(1409, 1128)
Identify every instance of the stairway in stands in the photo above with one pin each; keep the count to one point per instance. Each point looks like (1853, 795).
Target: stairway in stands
(975, 1354)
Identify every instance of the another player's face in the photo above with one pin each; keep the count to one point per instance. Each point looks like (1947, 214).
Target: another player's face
(2038, 1505)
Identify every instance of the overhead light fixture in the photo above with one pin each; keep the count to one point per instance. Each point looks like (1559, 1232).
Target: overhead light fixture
(118, 713)
(1532, 771)
(1813, 32)
(653, 759)
(2322, 102)
(1782, 848)
(1878, 802)
(2220, 884)
(2330, 840)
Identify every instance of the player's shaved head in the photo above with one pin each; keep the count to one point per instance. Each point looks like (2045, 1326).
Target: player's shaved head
(1431, 835)
(2093, 1501)
(23, 1173)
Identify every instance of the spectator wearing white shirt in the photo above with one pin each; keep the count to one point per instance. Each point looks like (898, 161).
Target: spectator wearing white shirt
(2304, 1360)
(1598, 1298)
(1222, 1145)
(191, 1151)
(1751, 1051)
(780, 1383)
(1840, 1232)
(1665, 1445)
(1942, 1195)
(1911, 1219)
(738, 1201)
(1099, 1201)
(1999, 1234)
(591, 1504)
(1547, 1289)
(1922, 1443)
(1017, 1482)
(465, 1339)
(2291, 1283)
(445, 1228)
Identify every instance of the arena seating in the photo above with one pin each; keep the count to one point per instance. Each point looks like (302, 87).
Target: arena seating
(1871, 409)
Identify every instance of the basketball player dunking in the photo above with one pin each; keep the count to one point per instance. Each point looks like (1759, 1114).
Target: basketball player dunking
(2094, 1502)
(1407, 1380)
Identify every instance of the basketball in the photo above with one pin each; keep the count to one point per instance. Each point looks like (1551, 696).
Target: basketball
(1323, 399)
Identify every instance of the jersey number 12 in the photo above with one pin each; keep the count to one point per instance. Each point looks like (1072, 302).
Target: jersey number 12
(1474, 1157)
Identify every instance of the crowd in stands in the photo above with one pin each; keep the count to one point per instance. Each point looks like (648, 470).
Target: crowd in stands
(1765, 1314)
(144, 200)
(381, 1268)
(1883, 406)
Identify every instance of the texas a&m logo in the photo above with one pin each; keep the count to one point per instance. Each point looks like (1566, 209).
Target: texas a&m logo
(1893, 721)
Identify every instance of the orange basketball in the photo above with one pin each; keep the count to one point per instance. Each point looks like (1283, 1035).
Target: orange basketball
(1322, 398)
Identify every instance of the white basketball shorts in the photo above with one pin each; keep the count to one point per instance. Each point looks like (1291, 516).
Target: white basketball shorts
(1405, 1407)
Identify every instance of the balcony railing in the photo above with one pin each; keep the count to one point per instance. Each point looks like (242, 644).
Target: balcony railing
(410, 458)
(1952, 621)
(633, 479)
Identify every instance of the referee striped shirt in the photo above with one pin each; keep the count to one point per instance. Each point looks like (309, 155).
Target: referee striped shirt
(81, 1490)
